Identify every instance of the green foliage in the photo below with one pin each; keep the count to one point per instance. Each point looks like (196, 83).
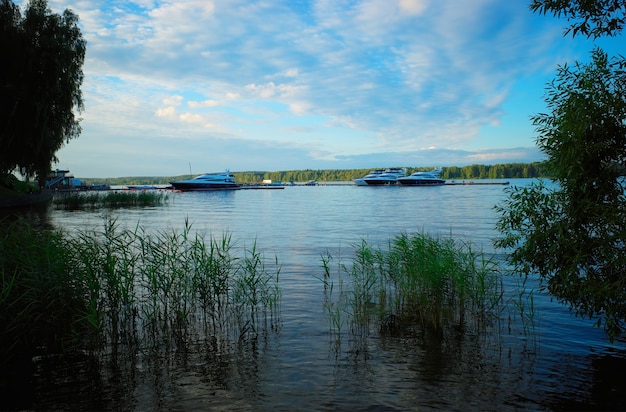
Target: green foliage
(497, 171)
(591, 18)
(40, 83)
(573, 234)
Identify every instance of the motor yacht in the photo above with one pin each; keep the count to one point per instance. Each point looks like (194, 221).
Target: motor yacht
(422, 178)
(207, 181)
(371, 175)
(387, 177)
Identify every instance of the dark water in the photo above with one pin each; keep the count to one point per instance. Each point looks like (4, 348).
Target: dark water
(555, 362)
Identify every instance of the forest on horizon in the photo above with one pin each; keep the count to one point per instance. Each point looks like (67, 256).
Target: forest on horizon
(497, 171)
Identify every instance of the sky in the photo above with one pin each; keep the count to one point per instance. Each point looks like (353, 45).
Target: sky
(180, 86)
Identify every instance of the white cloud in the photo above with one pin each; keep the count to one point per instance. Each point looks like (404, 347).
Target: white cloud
(376, 12)
(191, 118)
(299, 107)
(204, 103)
(268, 90)
(413, 7)
(167, 112)
(173, 100)
(291, 73)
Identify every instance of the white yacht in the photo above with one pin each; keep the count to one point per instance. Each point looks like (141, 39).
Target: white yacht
(207, 181)
(423, 178)
(387, 177)
(371, 175)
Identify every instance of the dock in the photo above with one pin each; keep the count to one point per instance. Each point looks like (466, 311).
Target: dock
(447, 183)
(260, 187)
(473, 183)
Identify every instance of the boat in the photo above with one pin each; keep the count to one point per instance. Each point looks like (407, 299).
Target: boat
(208, 181)
(372, 174)
(429, 178)
(387, 177)
(311, 183)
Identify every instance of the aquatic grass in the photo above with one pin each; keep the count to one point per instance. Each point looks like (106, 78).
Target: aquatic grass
(525, 304)
(168, 282)
(433, 282)
(41, 303)
(254, 290)
(334, 306)
(364, 296)
(115, 290)
(108, 199)
(105, 264)
(213, 269)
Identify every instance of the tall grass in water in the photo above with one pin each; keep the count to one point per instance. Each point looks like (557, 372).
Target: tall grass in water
(255, 290)
(42, 304)
(120, 289)
(420, 280)
(109, 199)
(173, 285)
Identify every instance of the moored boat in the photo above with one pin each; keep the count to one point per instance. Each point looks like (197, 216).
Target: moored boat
(371, 175)
(208, 181)
(428, 178)
(387, 177)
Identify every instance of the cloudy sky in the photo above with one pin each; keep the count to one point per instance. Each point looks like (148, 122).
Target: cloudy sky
(288, 84)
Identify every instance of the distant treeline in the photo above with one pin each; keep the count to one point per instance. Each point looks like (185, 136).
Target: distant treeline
(498, 171)
(506, 171)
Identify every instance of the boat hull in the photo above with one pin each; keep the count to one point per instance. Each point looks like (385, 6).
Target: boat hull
(188, 186)
(380, 182)
(421, 182)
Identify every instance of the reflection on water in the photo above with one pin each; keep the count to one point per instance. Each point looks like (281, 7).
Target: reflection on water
(38, 215)
(552, 362)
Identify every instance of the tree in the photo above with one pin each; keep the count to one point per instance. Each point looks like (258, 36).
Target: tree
(40, 82)
(573, 234)
(592, 18)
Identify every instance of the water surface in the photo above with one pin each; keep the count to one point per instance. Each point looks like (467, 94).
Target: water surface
(556, 363)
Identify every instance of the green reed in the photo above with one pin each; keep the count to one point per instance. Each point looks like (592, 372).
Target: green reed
(419, 279)
(214, 268)
(126, 288)
(41, 303)
(108, 199)
(334, 305)
(255, 291)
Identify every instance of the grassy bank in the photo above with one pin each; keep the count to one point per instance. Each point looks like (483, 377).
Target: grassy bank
(10, 187)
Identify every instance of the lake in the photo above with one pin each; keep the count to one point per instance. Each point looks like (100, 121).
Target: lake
(555, 362)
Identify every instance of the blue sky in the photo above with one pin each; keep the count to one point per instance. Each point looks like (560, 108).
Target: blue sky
(322, 84)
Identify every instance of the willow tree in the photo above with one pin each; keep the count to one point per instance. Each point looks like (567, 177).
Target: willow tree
(573, 234)
(40, 81)
(591, 18)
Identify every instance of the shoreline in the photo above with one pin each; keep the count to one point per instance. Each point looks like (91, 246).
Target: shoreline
(28, 199)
